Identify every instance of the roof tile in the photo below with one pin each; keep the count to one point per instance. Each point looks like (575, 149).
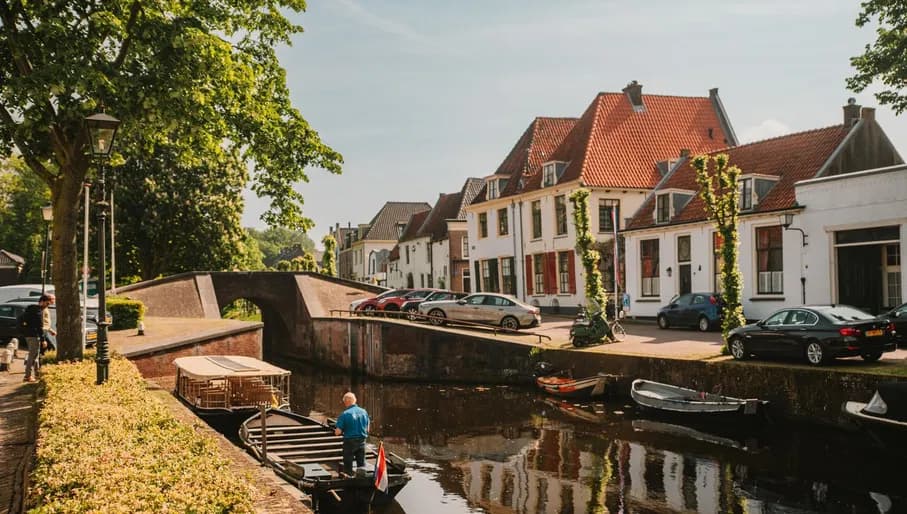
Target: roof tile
(383, 226)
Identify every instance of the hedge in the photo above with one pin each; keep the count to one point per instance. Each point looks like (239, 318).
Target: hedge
(126, 313)
(115, 448)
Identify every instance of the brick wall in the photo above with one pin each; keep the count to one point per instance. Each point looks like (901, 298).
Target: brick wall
(160, 363)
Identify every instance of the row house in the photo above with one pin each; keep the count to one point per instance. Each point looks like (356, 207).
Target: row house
(823, 219)
(366, 250)
(521, 230)
(345, 236)
(431, 250)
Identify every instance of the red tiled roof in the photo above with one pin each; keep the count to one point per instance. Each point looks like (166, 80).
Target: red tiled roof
(534, 147)
(445, 208)
(613, 145)
(793, 158)
(411, 231)
(394, 255)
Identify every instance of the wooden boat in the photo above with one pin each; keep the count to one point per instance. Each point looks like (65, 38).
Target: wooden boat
(230, 384)
(306, 453)
(885, 416)
(671, 398)
(568, 387)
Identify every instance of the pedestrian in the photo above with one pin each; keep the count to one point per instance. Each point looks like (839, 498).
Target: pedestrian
(48, 334)
(353, 426)
(33, 330)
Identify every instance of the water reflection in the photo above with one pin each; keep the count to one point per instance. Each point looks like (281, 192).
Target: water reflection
(509, 450)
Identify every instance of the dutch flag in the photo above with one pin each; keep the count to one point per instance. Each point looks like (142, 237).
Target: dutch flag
(381, 470)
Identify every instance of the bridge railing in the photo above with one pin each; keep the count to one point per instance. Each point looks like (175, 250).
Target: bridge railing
(415, 316)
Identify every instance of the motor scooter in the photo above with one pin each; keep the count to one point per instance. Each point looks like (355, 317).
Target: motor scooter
(590, 329)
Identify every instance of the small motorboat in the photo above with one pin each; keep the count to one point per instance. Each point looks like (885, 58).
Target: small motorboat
(306, 453)
(671, 398)
(569, 387)
(230, 384)
(885, 416)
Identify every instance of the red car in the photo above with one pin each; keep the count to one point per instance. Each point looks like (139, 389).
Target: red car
(357, 304)
(393, 302)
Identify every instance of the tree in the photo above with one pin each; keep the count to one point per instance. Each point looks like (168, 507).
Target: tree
(201, 78)
(308, 262)
(328, 259)
(278, 243)
(718, 190)
(886, 59)
(584, 241)
(22, 195)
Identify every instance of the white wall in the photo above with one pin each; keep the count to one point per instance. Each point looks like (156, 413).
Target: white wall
(440, 256)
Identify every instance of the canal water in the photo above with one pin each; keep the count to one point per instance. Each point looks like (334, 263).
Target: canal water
(498, 450)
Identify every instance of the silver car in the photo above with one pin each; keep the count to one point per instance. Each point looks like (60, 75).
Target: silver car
(491, 308)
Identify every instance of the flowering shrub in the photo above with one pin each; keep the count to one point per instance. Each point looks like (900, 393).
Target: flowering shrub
(115, 448)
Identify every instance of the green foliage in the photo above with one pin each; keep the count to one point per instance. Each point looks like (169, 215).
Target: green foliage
(718, 190)
(278, 243)
(243, 310)
(284, 265)
(584, 243)
(22, 195)
(115, 448)
(126, 313)
(886, 59)
(328, 259)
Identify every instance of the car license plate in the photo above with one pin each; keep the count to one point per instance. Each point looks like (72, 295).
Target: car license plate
(873, 333)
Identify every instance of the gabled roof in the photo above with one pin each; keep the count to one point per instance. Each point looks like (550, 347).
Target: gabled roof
(471, 188)
(445, 208)
(411, 230)
(616, 145)
(534, 147)
(383, 226)
(792, 158)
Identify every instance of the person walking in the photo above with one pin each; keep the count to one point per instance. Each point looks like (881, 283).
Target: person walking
(353, 426)
(48, 334)
(33, 330)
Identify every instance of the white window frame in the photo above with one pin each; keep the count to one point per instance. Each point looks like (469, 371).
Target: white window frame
(549, 174)
(491, 188)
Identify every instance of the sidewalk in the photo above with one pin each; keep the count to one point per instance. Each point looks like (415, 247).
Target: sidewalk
(18, 426)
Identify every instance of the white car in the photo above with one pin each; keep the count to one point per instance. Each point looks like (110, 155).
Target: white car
(490, 308)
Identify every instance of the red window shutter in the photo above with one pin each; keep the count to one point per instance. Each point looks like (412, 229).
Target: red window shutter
(551, 273)
(528, 275)
(571, 270)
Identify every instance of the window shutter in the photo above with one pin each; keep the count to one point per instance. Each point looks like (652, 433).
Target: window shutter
(551, 273)
(571, 270)
(478, 281)
(528, 275)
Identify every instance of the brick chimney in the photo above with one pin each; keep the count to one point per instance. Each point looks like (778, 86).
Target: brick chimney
(868, 113)
(851, 112)
(634, 93)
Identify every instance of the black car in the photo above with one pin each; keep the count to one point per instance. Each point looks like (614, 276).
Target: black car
(817, 333)
(898, 316)
(411, 306)
(10, 311)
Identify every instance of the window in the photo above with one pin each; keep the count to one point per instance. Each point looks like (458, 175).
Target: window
(683, 248)
(892, 275)
(407, 254)
(745, 186)
(560, 214)
(717, 262)
(421, 279)
(538, 273)
(608, 215)
(536, 219)
(549, 174)
(502, 222)
(663, 208)
(498, 301)
(769, 260)
(490, 275)
(508, 279)
(648, 258)
(483, 224)
(478, 299)
(563, 272)
(777, 318)
(491, 187)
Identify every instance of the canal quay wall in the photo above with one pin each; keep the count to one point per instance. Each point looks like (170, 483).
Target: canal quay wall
(404, 351)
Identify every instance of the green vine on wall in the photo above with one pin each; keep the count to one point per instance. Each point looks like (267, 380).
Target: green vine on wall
(584, 241)
(328, 260)
(718, 190)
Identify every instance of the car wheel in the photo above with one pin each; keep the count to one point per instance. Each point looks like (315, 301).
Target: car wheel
(411, 313)
(511, 323)
(815, 353)
(436, 317)
(738, 349)
(663, 321)
(704, 324)
(871, 357)
(369, 310)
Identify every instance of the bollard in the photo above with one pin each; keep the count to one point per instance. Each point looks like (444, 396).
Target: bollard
(141, 328)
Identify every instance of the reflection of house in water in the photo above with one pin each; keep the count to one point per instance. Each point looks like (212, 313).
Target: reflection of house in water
(557, 474)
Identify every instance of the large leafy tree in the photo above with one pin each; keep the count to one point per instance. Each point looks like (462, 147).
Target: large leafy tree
(22, 195)
(278, 243)
(200, 78)
(886, 59)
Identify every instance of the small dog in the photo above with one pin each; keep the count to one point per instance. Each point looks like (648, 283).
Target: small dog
(8, 354)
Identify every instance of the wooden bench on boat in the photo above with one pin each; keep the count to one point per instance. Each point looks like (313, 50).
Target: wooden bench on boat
(230, 383)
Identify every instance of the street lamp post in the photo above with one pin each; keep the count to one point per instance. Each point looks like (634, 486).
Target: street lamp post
(102, 130)
(47, 212)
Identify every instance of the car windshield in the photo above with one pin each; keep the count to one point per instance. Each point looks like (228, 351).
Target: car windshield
(845, 313)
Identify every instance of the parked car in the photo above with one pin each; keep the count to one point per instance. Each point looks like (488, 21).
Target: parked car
(411, 306)
(354, 305)
(394, 302)
(898, 316)
(817, 333)
(492, 308)
(700, 310)
(10, 312)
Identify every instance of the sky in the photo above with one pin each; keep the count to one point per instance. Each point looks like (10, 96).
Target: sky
(419, 95)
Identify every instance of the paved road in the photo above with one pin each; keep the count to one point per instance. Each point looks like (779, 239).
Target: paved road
(18, 416)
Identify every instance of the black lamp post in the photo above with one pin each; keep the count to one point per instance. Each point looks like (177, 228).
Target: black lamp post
(47, 212)
(102, 129)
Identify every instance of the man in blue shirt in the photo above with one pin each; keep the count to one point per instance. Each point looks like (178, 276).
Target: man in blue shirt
(353, 425)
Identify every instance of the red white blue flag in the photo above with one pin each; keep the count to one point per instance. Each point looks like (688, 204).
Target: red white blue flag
(381, 470)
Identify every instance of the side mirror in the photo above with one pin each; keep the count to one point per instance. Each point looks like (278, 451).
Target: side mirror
(760, 323)
(896, 314)
(461, 302)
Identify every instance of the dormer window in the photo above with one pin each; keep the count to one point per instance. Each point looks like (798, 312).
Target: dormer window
(551, 172)
(668, 204)
(753, 189)
(494, 187)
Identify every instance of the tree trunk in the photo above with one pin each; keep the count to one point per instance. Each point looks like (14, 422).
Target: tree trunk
(66, 194)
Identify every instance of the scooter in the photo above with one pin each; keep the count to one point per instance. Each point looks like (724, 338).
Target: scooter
(588, 330)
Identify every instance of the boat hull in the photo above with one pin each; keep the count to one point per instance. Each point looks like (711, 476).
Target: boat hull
(681, 400)
(564, 387)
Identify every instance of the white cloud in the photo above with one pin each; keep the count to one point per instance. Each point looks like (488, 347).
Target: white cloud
(765, 130)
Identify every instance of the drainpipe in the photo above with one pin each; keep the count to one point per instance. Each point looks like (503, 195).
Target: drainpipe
(431, 263)
(522, 262)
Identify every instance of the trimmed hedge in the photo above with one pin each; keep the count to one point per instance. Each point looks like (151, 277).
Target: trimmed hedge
(126, 313)
(115, 448)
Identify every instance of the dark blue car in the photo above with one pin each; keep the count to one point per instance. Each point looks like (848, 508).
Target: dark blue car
(700, 310)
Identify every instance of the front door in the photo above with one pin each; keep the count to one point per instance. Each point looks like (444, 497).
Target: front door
(860, 277)
(685, 275)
